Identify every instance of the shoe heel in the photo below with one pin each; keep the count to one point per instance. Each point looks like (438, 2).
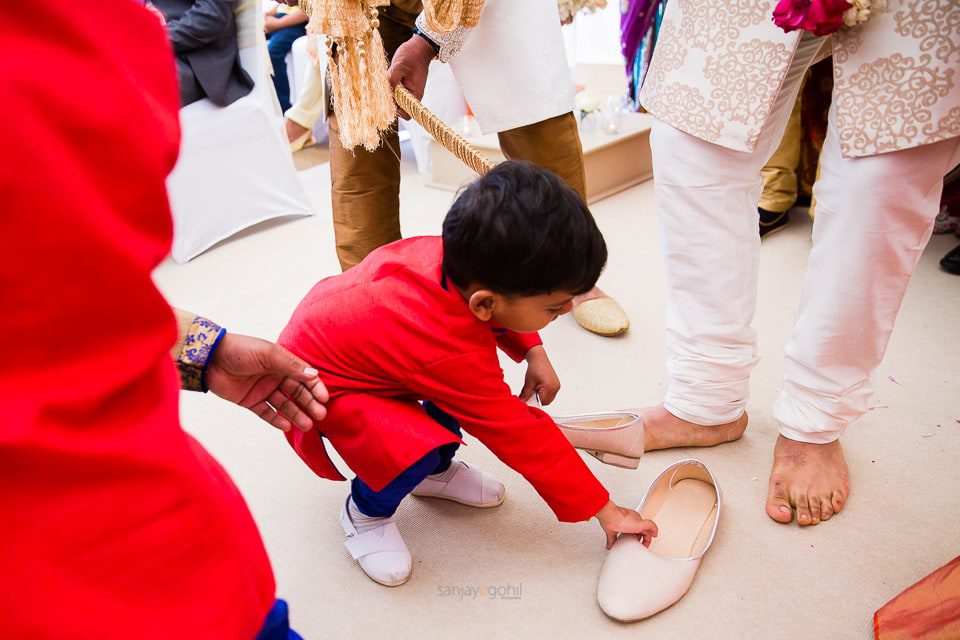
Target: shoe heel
(616, 460)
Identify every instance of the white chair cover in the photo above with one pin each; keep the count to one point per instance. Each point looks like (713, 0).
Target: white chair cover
(235, 168)
(443, 97)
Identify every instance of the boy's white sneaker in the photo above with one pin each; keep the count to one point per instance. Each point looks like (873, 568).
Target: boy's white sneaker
(376, 545)
(464, 484)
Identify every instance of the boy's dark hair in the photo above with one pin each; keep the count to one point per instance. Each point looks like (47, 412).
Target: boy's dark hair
(520, 230)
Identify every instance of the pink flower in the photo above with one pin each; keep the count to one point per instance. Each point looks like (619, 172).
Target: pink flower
(822, 17)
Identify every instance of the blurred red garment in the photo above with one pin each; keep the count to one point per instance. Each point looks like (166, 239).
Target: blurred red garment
(115, 524)
(929, 610)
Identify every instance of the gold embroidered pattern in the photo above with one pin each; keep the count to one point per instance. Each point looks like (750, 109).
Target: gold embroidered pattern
(743, 87)
(947, 127)
(888, 104)
(934, 24)
(711, 25)
(195, 352)
(846, 42)
(685, 108)
(668, 55)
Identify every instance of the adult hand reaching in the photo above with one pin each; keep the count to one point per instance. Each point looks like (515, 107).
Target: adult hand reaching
(268, 380)
(410, 66)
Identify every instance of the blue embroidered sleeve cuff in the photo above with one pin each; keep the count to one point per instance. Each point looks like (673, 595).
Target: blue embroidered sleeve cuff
(434, 45)
(446, 45)
(196, 351)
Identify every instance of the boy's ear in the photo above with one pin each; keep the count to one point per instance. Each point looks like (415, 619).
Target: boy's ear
(482, 304)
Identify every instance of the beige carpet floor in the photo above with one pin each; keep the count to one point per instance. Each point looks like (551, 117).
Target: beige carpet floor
(514, 571)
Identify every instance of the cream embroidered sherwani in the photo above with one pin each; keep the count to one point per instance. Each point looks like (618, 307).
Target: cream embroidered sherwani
(896, 76)
(722, 84)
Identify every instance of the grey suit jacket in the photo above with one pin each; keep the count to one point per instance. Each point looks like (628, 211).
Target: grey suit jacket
(204, 38)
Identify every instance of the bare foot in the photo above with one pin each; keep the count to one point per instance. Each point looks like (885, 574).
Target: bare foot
(811, 478)
(663, 430)
(593, 294)
(293, 130)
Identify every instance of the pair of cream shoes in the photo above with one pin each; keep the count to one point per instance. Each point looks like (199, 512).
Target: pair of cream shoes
(684, 501)
(376, 543)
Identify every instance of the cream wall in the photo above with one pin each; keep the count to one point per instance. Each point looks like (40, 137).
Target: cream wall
(598, 36)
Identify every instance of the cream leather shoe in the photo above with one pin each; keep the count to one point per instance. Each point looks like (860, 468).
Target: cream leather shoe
(603, 316)
(614, 438)
(637, 582)
(303, 140)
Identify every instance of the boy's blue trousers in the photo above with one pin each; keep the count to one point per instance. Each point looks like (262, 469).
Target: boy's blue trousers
(384, 503)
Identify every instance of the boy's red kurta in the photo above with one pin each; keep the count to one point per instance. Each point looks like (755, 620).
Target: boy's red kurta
(392, 331)
(115, 523)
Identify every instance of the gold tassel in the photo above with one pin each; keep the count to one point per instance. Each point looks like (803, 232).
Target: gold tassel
(363, 102)
(339, 18)
(379, 110)
(362, 99)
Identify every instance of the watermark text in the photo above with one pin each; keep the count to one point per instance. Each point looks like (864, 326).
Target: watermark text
(481, 592)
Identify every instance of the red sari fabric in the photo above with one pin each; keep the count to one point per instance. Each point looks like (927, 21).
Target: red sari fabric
(115, 523)
(391, 331)
(929, 610)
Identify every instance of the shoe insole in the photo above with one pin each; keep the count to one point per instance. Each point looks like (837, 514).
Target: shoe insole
(597, 423)
(682, 518)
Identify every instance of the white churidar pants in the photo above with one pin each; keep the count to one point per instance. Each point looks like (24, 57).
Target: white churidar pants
(874, 217)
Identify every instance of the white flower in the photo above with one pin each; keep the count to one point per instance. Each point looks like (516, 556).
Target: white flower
(860, 11)
(587, 101)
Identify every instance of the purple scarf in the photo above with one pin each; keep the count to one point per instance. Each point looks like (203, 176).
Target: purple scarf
(636, 18)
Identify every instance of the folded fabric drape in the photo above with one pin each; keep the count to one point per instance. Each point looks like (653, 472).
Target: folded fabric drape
(639, 24)
(928, 609)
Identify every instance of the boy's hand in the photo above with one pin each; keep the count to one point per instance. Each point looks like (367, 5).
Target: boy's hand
(616, 520)
(541, 378)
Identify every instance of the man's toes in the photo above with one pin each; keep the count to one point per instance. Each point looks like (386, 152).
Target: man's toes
(803, 511)
(778, 506)
(826, 508)
(814, 510)
(838, 501)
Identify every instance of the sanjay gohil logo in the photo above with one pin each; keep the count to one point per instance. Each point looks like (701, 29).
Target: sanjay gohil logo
(481, 592)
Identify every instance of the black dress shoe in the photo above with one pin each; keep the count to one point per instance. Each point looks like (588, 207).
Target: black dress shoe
(951, 262)
(771, 221)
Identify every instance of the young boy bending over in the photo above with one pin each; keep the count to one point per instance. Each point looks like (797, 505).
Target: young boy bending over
(418, 321)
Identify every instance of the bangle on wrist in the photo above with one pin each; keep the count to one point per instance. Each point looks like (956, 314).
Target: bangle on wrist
(196, 352)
